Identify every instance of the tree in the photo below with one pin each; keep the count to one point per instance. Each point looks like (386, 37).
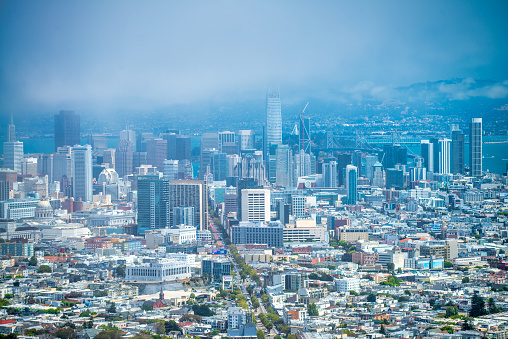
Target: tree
(477, 306)
(451, 311)
(202, 310)
(390, 266)
(32, 261)
(371, 298)
(312, 310)
(160, 328)
(120, 270)
(193, 318)
(448, 329)
(110, 333)
(465, 280)
(448, 264)
(467, 324)
(112, 308)
(493, 308)
(260, 334)
(399, 270)
(172, 326)
(382, 329)
(65, 333)
(44, 269)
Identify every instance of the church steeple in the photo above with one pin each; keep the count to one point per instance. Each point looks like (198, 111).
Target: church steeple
(161, 294)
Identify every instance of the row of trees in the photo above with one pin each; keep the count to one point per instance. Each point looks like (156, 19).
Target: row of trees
(478, 307)
(265, 321)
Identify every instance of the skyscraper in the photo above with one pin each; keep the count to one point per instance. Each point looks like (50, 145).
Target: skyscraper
(171, 169)
(82, 172)
(67, 129)
(475, 147)
(156, 152)
(457, 152)
(219, 166)
(183, 148)
(13, 153)
(123, 158)
(130, 136)
(304, 134)
(153, 203)
(255, 205)
(273, 118)
(427, 153)
(444, 156)
(246, 139)
(351, 184)
(208, 141)
(11, 131)
(330, 173)
(284, 171)
(189, 193)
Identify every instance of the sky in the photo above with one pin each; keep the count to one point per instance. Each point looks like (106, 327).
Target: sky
(100, 55)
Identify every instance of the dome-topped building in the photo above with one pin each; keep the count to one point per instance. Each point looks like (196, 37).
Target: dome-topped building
(43, 210)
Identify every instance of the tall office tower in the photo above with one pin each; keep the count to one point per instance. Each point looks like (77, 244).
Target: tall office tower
(370, 160)
(185, 170)
(244, 183)
(298, 206)
(246, 138)
(11, 131)
(458, 162)
(435, 153)
(183, 216)
(394, 178)
(45, 166)
(171, 169)
(304, 134)
(357, 161)
(62, 163)
(272, 163)
(378, 179)
(99, 142)
(206, 161)
(13, 153)
(343, 159)
(141, 139)
(444, 146)
(219, 166)
(190, 193)
(4, 190)
(82, 172)
(109, 156)
(156, 152)
(273, 118)
(138, 159)
(130, 136)
(171, 144)
(302, 164)
(475, 147)
(394, 155)
(29, 166)
(252, 166)
(284, 171)
(183, 148)
(153, 203)
(228, 143)
(427, 153)
(208, 141)
(235, 166)
(351, 184)
(123, 158)
(67, 129)
(330, 173)
(255, 205)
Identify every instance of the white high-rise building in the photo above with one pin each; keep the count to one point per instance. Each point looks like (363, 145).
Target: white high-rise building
(302, 164)
(171, 169)
(284, 167)
(273, 118)
(427, 153)
(246, 139)
(378, 179)
(330, 174)
(475, 147)
(130, 136)
(255, 205)
(13, 153)
(82, 172)
(444, 156)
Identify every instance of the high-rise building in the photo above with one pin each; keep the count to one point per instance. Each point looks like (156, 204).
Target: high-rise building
(171, 144)
(302, 162)
(183, 215)
(190, 193)
(153, 203)
(156, 152)
(378, 179)
(475, 147)
(4, 190)
(183, 148)
(11, 131)
(209, 141)
(123, 158)
(304, 134)
(255, 205)
(243, 183)
(393, 155)
(171, 169)
(45, 166)
(246, 139)
(13, 153)
(272, 163)
(343, 159)
(394, 178)
(219, 166)
(82, 184)
(330, 173)
(370, 160)
(284, 171)
(351, 184)
(67, 129)
(357, 161)
(444, 156)
(141, 139)
(458, 162)
(273, 118)
(427, 153)
(130, 136)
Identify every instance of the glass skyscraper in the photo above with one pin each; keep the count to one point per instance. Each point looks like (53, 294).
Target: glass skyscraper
(67, 129)
(475, 147)
(273, 118)
(153, 203)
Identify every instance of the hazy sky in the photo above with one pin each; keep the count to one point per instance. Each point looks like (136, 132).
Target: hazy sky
(130, 54)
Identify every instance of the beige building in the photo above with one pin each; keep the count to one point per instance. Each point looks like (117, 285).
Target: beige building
(305, 230)
(351, 234)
